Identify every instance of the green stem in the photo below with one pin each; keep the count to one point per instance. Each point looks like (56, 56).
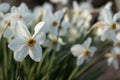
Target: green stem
(63, 57)
(41, 62)
(50, 66)
(88, 66)
(18, 76)
(73, 73)
(5, 56)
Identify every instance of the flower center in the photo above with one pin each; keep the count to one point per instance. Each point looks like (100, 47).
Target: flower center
(113, 26)
(20, 17)
(31, 42)
(54, 42)
(86, 53)
(54, 23)
(79, 13)
(117, 56)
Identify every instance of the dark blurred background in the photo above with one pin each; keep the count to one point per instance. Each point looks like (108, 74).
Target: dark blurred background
(32, 3)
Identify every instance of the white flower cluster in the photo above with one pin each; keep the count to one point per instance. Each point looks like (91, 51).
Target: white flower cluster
(55, 28)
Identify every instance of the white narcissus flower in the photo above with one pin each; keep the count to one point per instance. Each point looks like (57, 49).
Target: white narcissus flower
(52, 27)
(24, 44)
(40, 11)
(20, 13)
(114, 57)
(53, 21)
(82, 14)
(111, 25)
(83, 51)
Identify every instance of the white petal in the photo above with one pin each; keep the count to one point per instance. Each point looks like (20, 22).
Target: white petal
(60, 40)
(4, 7)
(113, 36)
(110, 60)
(9, 32)
(92, 51)
(40, 38)
(115, 64)
(21, 54)
(58, 15)
(22, 30)
(36, 53)
(16, 44)
(77, 50)
(75, 5)
(105, 34)
(108, 14)
(80, 60)
(38, 27)
(116, 16)
(23, 9)
(87, 43)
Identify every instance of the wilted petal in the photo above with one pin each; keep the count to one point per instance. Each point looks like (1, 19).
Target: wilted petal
(21, 54)
(16, 44)
(36, 53)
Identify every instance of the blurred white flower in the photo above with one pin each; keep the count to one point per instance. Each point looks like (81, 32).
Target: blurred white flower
(24, 44)
(111, 25)
(114, 57)
(4, 7)
(82, 15)
(80, 20)
(53, 21)
(60, 1)
(21, 13)
(65, 26)
(83, 52)
(54, 43)
(39, 11)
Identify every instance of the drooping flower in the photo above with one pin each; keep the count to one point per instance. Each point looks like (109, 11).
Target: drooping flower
(83, 52)
(24, 44)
